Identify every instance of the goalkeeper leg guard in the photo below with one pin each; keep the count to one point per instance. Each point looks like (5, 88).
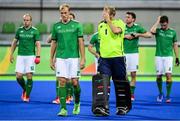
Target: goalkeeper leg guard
(123, 96)
(101, 91)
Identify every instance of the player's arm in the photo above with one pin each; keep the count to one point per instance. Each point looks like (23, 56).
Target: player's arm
(38, 51)
(114, 29)
(38, 46)
(154, 27)
(82, 52)
(145, 35)
(49, 38)
(128, 36)
(13, 48)
(52, 53)
(91, 50)
(175, 46)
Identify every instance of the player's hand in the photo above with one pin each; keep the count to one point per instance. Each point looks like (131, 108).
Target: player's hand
(11, 59)
(97, 55)
(82, 64)
(52, 64)
(106, 16)
(129, 37)
(37, 60)
(177, 61)
(158, 19)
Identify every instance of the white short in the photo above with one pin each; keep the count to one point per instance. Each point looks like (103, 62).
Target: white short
(96, 64)
(132, 62)
(163, 65)
(68, 68)
(25, 64)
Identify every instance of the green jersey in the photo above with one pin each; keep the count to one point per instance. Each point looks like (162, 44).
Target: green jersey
(111, 45)
(131, 46)
(66, 35)
(95, 41)
(164, 42)
(27, 39)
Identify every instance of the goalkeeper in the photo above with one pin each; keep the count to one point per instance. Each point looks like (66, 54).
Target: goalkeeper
(111, 34)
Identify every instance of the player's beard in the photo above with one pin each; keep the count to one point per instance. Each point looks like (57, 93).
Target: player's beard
(27, 26)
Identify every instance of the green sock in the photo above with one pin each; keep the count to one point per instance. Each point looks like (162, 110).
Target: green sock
(29, 87)
(77, 92)
(132, 89)
(168, 87)
(159, 84)
(57, 88)
(21, 82)
(69, 89)
(62, 95)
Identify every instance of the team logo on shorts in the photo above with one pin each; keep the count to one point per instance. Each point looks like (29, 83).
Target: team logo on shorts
(169, 68)
(32, 68)
(137, 67)
(78, 73)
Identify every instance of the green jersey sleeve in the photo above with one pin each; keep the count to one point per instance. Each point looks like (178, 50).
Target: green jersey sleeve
(54, 35)
(175, 37)
(37, 35)
(94, 39)
(141, 30)
(17, 34)
(80, 30)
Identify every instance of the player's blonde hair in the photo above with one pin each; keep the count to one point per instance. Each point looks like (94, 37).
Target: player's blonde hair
(112, 10)
(27, 14)
(61, 7)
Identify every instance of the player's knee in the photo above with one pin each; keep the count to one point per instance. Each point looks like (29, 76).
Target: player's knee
(75, 82)
(19, 76)
(133, 74)
(29, 75)
(169, 79)
(62, 82)
(159, 76)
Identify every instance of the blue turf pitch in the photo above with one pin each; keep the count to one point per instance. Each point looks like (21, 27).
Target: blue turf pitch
(40, 107)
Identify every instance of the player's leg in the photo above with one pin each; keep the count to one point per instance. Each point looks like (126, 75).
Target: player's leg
(168, 63)
(159, 81)
(62, 75)
(77, 93)
(133, 84)
(20, 66)
(69, 88)
(62, 95)
(132, 61)
(21, 82)
(29, 86)
(122, 86)
(56, 100)
(29, 70)
(74, 74)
